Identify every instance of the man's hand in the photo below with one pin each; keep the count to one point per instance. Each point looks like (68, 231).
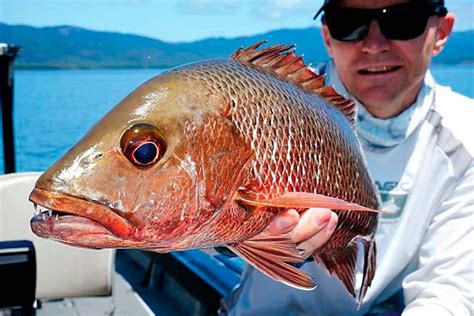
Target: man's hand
(309, 230)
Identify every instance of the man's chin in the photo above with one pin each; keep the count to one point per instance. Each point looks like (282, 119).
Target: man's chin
(381, 103)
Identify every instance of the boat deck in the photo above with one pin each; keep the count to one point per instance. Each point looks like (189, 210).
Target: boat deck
(146, 283)
(123, 302)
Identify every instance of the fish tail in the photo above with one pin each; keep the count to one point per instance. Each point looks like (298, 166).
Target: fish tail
(370, 254)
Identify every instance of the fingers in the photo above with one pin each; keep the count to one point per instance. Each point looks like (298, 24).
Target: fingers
(315, 235)
(310, 223)
(309, 230)
(283, 223)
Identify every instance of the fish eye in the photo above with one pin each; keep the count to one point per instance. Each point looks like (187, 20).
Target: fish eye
(143, 144)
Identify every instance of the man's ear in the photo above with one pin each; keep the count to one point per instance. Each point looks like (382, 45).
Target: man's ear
(326, 38)
(445, 26)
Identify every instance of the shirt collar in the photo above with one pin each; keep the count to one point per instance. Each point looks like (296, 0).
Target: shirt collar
(383, 134)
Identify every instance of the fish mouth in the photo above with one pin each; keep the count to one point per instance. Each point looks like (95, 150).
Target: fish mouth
(77, 221)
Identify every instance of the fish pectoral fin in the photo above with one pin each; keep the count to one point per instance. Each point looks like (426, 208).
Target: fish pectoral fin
(309, 200)
(272, 255)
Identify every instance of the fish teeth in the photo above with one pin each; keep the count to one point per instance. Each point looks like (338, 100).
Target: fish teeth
(43, 211)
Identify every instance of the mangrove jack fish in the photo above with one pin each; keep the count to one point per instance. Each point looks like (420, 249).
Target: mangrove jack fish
(206, 155)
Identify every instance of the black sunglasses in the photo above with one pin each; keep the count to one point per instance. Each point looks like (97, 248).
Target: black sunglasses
(398, 22)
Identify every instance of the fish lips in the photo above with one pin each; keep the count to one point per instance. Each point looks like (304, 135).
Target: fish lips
(77, 221)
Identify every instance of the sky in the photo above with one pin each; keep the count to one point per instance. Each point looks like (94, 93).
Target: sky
(183, 20)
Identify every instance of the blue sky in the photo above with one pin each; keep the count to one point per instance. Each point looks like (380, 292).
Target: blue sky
(183, 20)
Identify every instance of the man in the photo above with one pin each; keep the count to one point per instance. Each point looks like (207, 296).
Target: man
(417, 137)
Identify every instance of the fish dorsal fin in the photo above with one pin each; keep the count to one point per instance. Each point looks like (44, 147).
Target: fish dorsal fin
(281, 61)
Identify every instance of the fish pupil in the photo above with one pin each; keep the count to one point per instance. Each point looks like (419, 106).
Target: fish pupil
(145, 153)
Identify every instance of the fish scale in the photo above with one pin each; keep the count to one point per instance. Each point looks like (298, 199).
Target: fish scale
(247, 117)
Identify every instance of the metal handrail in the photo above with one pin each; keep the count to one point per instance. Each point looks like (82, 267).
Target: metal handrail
(8, 54)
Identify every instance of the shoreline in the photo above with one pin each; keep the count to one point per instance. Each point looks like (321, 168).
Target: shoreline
(162, 67)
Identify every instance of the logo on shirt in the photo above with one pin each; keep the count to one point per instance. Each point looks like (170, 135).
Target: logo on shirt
(394, 196)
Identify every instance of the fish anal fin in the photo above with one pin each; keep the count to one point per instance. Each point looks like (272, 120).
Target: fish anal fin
(341, 262)
(271, 255)
(306, 200)
(282, 62)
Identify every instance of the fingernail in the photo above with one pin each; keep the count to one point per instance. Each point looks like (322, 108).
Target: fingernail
(332, 223)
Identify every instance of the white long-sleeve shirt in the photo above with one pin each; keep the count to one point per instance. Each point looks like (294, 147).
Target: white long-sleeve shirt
(422, 164)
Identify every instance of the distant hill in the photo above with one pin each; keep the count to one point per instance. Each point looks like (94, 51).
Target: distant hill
(73, 47)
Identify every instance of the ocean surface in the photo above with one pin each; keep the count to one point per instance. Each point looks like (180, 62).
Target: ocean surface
(54, 108)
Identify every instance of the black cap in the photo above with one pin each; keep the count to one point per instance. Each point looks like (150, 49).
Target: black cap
(329, 3)
(326, 4)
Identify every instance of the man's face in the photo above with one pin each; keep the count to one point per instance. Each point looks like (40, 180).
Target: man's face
(386, 75)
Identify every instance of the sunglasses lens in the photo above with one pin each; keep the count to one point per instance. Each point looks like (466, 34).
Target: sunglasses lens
(347, 25)
(403, 24)
(399, 22)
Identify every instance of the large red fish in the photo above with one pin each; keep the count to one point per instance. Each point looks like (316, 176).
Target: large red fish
(206, 155)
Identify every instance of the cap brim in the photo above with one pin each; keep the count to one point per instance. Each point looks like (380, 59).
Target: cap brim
(318, 13)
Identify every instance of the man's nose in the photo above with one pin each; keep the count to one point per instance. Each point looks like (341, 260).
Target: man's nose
(375, 42)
